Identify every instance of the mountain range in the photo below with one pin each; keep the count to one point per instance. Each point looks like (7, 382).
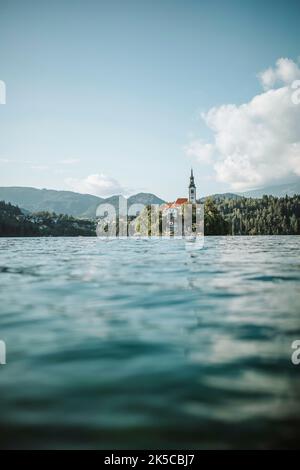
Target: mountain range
(66, 202)
(85, 205)
(288, 189)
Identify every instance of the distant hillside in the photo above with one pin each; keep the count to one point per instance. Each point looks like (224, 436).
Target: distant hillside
(145, 198)
(60, 202)
(140, 198)
(85, 205)
(279, 190)
(219, 197)
(65, 202)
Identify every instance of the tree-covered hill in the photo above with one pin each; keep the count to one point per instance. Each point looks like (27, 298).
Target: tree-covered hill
(266, 216)
(222, 216)
(14, 223)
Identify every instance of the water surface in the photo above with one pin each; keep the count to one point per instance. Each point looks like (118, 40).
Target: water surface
(148, 344)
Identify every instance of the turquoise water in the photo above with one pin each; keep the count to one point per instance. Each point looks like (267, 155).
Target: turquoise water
(148, 344)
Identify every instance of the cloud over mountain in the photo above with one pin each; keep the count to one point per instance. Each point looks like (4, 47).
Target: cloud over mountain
(256, 142)
(96, 184)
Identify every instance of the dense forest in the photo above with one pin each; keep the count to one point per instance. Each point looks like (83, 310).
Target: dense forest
(14, 223)
(223, 216)
(266, 216)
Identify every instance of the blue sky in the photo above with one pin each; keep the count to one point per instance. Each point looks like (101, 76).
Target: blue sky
(107, 96)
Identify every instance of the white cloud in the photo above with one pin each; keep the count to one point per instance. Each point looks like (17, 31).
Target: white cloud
(284, 73)
(97, 184)
(256, 142)
(202, 151)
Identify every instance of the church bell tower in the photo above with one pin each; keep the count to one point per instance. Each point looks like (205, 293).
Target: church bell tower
(192, 189)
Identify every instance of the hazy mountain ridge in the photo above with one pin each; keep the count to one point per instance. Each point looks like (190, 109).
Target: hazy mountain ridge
(289, 189)
(66, 202)
(61, 202)
(85, 205)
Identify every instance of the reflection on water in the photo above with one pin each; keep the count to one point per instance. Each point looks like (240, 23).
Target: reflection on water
(148, 344)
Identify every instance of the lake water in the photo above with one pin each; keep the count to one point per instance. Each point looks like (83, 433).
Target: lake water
(148, 344)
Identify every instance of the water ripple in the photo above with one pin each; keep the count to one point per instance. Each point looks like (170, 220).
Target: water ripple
(147, 344)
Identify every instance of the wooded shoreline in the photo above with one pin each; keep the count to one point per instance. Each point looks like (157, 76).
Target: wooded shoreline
(222, 216)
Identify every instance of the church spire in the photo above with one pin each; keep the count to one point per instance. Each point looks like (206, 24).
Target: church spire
(192, 182)
(192, 189)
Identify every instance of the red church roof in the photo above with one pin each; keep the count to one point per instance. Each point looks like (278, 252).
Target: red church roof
(181, 200)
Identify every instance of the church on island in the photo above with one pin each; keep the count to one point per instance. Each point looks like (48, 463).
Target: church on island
(172, 207)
